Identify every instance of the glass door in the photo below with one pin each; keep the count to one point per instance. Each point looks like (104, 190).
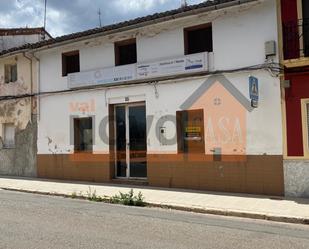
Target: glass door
(138, 141)
(131, 141)
(121, 141)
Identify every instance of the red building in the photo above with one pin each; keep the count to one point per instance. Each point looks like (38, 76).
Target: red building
(295, 58)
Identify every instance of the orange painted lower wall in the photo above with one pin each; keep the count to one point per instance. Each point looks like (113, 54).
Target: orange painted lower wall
(80, 167)
(245, 174)
(252, 174)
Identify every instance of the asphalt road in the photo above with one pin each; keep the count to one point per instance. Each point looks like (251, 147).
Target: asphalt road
(35, 221)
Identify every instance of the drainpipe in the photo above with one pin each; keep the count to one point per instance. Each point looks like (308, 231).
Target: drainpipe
(38, 85)
(31, 81)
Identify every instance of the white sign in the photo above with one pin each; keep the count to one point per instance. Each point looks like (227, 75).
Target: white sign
(102, 76)
(185, 64)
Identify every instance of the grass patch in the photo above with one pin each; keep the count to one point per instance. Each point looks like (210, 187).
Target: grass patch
(128, 199)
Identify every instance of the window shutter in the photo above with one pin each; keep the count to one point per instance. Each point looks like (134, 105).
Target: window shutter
(9, 135)
(7, 73)
(14, 73)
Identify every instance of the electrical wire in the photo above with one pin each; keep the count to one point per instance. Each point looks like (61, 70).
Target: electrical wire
(273, 68)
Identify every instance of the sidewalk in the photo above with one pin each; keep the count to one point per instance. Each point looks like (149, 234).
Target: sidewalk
(240, 205)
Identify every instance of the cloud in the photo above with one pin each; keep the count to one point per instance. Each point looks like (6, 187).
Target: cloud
(138, 5)
(67, 16)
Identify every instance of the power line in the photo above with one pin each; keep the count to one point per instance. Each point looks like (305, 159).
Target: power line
(269, 67)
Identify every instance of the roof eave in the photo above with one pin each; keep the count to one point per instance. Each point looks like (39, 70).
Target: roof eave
(137, 25)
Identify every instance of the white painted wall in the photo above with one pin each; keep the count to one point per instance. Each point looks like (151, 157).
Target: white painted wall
(51, 71)
(100, 56)
(264, 132)
(239, 38)
(169, 43)
(239, 35)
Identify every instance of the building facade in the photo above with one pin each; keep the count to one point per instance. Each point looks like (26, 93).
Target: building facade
(188, 98)
(18, 82)
(295, 41)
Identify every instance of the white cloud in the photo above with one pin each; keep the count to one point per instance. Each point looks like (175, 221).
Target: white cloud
(138, 5)
(63, 17)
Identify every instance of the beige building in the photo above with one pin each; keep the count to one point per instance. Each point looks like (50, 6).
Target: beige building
(18, 105)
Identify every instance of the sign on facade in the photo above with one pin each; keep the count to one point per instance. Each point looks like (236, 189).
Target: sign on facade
(174, 66)
(185, 64)
(254, 91)
(102, 76)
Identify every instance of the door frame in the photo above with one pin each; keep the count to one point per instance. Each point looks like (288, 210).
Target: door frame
(127, 106)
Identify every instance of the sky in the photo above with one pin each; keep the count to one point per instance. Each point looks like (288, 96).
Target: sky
(68, 16)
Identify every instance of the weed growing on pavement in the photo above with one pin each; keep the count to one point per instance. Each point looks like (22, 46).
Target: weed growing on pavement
(74, 195)
(129, 199)
(92, 196)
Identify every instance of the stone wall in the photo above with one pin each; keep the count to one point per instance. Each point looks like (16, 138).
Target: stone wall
(296, 174)
(21, 160)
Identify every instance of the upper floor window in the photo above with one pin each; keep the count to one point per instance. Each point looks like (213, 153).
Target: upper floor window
(10, 73)
(198, 39)
(70, 63)
(125, 52)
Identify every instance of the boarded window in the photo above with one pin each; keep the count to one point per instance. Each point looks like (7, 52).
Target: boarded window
(83, 135)
(198, 39)
(70, 63)
(10, 73)
(190, 131)
(8, 135)
(125, 52)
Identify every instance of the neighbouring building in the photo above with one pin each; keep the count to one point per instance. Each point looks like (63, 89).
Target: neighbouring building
(16, 37)
(18, 81)
(188, 98)
(295, 58)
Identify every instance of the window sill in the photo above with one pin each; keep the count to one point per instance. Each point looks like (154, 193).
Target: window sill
(11, 82)
(8, 148)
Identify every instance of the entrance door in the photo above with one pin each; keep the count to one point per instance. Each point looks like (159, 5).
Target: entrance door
(131, 141)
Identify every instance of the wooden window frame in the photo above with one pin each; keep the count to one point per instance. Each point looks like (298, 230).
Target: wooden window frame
(123, 43)
(305, 127)
(193, 28)
(64, 62)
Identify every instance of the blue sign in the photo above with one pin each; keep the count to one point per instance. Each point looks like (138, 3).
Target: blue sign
(254, 88)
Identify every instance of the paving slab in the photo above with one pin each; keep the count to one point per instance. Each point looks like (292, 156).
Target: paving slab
(276, 208)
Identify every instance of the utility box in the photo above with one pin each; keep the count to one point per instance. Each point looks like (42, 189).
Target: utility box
(270, 48)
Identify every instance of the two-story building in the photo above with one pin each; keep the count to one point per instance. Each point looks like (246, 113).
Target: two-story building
(295, 43)
(187, 98)
(18, 83)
